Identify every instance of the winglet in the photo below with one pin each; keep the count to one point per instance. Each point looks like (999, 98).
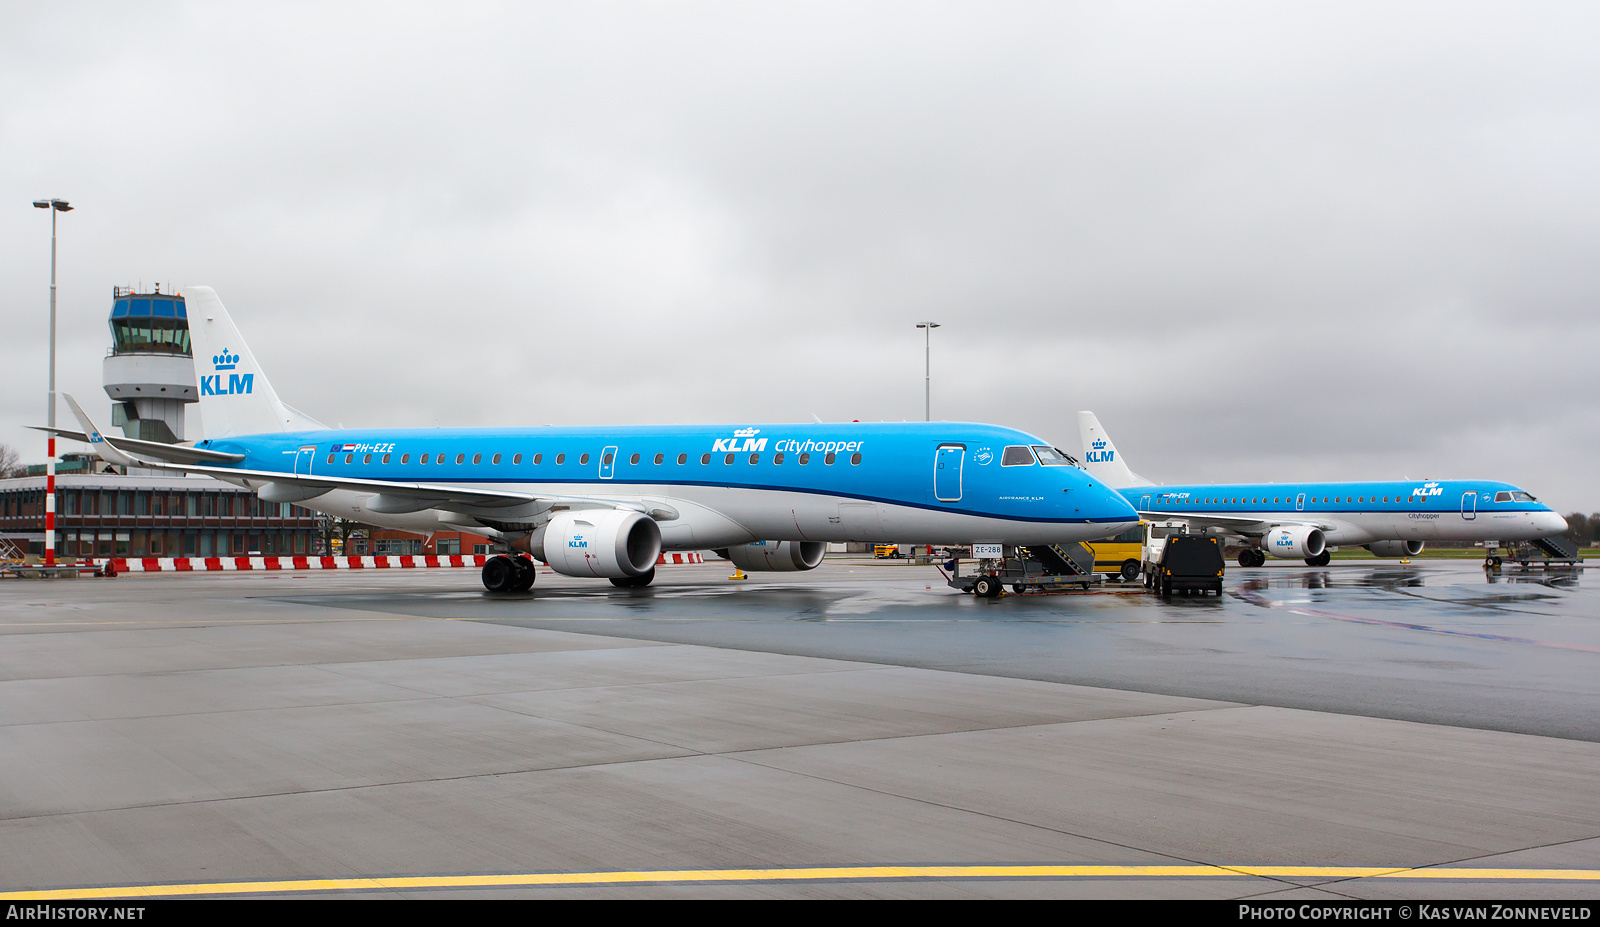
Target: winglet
(96, 441)
(1100, 456)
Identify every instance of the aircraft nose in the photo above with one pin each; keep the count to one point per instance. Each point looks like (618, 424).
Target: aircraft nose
(1115, 506)
(1549, 523)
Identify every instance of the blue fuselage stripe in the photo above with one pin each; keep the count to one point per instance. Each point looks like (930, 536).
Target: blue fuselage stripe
(896, 466)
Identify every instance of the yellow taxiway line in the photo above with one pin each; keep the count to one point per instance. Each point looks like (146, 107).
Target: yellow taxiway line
(840, 873)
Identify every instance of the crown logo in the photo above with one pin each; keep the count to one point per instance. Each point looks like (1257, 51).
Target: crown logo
(225, 361)
(1099, 445)
(746, 432)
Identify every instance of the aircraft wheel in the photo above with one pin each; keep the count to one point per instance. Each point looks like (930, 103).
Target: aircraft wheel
(1246, 558)
(1017, 588)
(499, 574)
(635, 582)
(986, 587)
(526, 574)
(1130, 570)
(1259, 557)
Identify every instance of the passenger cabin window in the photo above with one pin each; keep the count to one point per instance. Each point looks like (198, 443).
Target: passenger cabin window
(561, 459)
(477, 459)
(828, 458)
(461, 459)
(805, 459)
(660, 458)
(583, 460)
(777, 458)
(538, 458)
(516, 460)
(1053, 456)
(855, 459)
(683, 459)
(705, 459)
(635, 460)
(728, 459)
(495, 460)
(1017, 455)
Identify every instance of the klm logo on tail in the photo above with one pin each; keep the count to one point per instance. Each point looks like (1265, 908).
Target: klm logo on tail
(238, 383)
(1099, 454)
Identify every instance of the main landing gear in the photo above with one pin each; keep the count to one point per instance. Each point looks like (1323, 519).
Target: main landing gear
(1320, 560)
(509, 574)
(635, 582)
(1252, 557)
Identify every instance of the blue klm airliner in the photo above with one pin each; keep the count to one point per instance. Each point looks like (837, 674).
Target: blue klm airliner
(605, 501)
(1301, 520)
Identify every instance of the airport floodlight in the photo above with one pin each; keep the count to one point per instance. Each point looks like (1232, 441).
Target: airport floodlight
(927, 368)
(50, 410)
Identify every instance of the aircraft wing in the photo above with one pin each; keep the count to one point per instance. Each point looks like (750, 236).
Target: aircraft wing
(388, 498)
(436, 493)
(177, 453)
(1242, 524)
(391, 498)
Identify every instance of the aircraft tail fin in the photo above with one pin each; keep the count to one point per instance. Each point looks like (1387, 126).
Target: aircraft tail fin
(1100, 456)
(235, 396)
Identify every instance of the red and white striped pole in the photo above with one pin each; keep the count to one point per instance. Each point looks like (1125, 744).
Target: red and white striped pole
(55, 206)
(50, 501)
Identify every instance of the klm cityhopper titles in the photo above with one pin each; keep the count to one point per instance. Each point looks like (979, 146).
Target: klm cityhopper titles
(1302, 520)
(604, 502)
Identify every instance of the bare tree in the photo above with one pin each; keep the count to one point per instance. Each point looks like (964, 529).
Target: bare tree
(342, 529)
(11, 464)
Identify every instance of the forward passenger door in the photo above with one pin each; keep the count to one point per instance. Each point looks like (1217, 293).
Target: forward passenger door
(947, 465)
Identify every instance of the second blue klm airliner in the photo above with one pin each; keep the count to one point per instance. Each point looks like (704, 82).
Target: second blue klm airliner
(1393, 518)
(605, 501)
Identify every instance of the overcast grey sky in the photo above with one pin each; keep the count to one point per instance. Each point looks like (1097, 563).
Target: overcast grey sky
(1262, 241)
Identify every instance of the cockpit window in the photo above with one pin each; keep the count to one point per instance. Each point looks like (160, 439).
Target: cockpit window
(1017, 455)
(1502, 497)
(1523, 497)
(1053, 457)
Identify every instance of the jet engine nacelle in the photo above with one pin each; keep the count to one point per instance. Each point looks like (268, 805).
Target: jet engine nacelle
(1395, 548)
(1294, 543)
(610, 543)
(776, 556)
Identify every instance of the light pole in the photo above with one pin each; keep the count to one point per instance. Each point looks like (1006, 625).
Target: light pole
(55, 206)
(927, 368)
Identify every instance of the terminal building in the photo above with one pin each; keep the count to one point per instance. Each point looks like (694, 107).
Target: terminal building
(104, 511)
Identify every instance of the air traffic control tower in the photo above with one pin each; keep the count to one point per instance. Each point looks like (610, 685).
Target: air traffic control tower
(149, 372)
